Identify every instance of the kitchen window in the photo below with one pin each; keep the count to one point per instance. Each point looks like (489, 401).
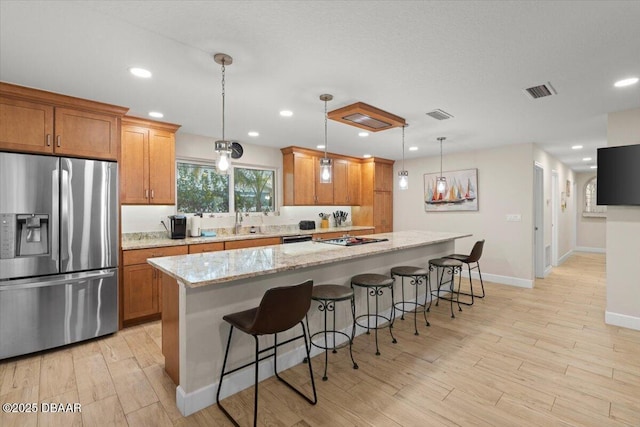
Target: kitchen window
(201, 189)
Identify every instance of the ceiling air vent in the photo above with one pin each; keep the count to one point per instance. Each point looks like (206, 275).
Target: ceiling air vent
(541, 91)
(366, 117)
(439, 114)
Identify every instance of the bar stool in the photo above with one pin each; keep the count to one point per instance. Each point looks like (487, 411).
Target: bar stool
(451, 266)
(375, 285)
(327, 296)
(280, 309)
(473, 257)
(418, 276)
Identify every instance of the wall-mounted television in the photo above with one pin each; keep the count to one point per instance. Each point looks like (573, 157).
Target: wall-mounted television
(619, 175)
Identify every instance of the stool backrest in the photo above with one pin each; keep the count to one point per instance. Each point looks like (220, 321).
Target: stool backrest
(476, 252)
(282, 308)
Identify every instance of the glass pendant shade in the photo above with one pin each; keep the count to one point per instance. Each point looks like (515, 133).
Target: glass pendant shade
(325, 171)
(403, 180)
(441, 184)
(223, 148)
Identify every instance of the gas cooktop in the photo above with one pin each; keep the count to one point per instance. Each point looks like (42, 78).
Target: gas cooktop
(352, 241)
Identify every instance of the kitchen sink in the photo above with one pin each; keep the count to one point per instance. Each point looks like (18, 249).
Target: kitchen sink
(352, 241)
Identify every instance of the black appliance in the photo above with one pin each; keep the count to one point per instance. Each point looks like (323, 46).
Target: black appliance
(619, 175)
(296, 239)
(352, 241)
(178, 226)
(307, 225)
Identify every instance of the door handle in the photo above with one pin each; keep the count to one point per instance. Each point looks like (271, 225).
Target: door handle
(152, 194)
(48, 140)
(146, 193)
(58, 138)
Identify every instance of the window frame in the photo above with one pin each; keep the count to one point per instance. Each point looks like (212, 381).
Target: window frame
(590, 208)
(232, 182)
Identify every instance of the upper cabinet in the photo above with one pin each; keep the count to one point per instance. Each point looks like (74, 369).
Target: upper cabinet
(34, 121)
(376, 195)
(147, 166)
(346, 177)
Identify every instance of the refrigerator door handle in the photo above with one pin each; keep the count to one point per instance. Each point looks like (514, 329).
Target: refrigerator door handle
(66, 211)
(58, 280)
(55, 214)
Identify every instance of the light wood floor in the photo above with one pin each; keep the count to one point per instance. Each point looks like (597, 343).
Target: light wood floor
(520, 357)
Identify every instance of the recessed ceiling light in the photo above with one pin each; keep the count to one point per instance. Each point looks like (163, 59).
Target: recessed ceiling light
(366, 156)
(413, 148)
(320, 147)
(140, 72)
(253, 133)
(594, 167)
(286, 113)
(576, 147)
(156, 114)
(363, 134)
(586, 159)
(626, 82)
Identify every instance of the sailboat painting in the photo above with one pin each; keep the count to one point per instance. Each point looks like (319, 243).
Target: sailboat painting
(460, 192)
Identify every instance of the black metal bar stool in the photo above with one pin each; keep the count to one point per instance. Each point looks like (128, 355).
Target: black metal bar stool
(375, 285)
(418, 275)
(453, 267)
(473, 257)
(327, 296)
(280, 309)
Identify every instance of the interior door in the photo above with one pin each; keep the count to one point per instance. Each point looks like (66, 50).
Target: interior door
(538, 221)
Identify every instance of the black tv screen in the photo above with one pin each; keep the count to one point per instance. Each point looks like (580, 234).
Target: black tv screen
(619, 175)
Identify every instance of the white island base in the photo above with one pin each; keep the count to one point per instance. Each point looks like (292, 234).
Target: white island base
(199, 289)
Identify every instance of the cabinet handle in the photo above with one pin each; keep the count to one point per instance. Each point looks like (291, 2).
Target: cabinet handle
(146, 193)
(152, 194)
(58, 140)
(48, 140)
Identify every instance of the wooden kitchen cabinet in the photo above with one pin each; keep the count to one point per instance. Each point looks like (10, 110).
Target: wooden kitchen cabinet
(147, 165)
(141, 293)
(383, 177)
(376, 206)
(383, 211)
(346, 177)
(206, 247)
(35, 121)
(302, 186)
(252, 243)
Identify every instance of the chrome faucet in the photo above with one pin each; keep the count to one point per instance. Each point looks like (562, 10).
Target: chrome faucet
(238, 223)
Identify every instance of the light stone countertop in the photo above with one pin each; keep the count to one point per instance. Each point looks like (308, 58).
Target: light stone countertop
(146, 243)
(211, 268)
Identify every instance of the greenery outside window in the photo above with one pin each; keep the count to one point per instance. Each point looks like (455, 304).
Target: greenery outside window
(201, 189)
(253, 189)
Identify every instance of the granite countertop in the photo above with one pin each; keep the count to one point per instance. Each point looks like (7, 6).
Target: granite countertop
(147, 243)
(210, 268)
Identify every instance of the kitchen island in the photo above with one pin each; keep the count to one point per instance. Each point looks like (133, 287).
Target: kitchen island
(199, 289)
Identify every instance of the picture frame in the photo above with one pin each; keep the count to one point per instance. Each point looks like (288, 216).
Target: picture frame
(568, 189)
(461, 191)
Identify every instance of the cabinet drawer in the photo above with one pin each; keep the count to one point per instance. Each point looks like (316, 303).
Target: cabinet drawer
(139, 256)
(330, 235)
(250, 243)
(206, 247)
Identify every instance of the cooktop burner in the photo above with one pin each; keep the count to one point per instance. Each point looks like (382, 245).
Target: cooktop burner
(352, 241)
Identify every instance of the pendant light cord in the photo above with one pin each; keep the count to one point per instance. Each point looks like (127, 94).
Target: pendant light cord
(223, 70)
(325, 128)
(403, 147)
(440, 157)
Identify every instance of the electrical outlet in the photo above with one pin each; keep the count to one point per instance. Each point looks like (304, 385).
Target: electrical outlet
(514, 218)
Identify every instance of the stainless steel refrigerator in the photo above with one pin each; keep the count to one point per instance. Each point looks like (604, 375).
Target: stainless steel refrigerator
(58, 251)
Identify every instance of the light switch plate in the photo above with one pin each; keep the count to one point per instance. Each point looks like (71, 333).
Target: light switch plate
(514, 218)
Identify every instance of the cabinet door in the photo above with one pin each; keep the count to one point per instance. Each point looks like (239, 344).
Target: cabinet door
(140, 288)
(304, 180)
(26, 126)
(83, 134)
(382, 211)
(134, 166)
(162, 167)
(324, 192)
(341, 182)
(206, 247)
(383, 177)
(353, 183)
(252, 243)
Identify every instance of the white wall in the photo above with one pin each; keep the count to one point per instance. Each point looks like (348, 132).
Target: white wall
(566, 216)
(591, 232)
(623, 236)
(505, 184)
(140, 218)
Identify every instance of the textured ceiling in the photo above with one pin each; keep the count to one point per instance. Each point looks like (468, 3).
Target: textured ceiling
(471, 59)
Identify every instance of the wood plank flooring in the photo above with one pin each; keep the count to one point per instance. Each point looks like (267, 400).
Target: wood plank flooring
(520, 357)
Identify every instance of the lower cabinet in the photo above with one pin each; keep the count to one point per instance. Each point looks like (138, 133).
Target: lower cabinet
(141, 292)
(338, 234)
(252, 243)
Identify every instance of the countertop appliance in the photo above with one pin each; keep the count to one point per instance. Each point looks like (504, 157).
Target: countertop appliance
(307, 225)
(296, 239)
(178, 226)
(58, 251)
(352, 241)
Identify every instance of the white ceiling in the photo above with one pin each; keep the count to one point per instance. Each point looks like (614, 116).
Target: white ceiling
(471, 59)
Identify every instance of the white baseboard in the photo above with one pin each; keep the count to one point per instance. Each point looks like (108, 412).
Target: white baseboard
(623, 320)
(564, 257)
(588, 249)
(503, 280)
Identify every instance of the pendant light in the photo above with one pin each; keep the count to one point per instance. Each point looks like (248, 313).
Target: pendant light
(325, 163)
(441, 181)
(403, 175)
(223, 147)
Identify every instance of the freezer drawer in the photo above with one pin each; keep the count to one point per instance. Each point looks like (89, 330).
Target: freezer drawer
(42, 313)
